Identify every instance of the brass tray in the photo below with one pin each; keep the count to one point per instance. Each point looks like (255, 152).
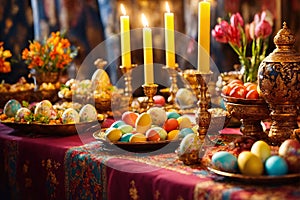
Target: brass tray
(243, 101)
(264, 179)
(139, 147)
(52, 129)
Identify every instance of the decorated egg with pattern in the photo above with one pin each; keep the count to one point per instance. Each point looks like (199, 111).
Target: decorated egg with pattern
(11, 107)
(158, 115)
(70, 116)
(44, 109)
(88, 113)
(22, 113)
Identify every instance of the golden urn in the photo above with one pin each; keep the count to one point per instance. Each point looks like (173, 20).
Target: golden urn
(278, 81)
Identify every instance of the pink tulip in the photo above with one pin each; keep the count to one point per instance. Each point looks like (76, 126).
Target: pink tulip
(263, 29)
(220, 32)
(236, 20)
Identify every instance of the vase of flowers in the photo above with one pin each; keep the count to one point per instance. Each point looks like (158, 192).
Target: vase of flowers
(4, 55)
(48, 58)
(239, 36)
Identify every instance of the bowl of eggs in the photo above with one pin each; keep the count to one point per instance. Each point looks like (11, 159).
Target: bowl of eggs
(47, 119)
(260, 163)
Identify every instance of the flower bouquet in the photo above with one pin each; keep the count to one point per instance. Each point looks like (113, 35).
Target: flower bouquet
(238, 36)
(4, 64)
(53, 54)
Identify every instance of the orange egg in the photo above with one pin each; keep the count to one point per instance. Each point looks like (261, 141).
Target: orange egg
(171, 124)
(129, 118)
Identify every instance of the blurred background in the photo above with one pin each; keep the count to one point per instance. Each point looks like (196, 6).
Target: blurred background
(89, 22)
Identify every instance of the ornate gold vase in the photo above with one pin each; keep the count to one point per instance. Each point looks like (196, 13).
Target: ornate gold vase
(278, 80)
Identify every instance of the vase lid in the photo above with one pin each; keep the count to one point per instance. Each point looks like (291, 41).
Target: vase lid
(285, 50)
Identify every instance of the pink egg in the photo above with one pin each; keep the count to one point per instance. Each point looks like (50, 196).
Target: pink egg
(159, 100)
(129, 118)
(152, 135)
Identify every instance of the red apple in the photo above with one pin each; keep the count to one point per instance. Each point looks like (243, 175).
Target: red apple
(290, 151)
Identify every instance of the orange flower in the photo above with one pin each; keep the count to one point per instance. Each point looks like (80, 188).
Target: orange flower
(4, 64)
(53, 54)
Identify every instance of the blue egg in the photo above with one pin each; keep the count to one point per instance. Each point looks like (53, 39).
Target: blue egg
(174, 115)
(184, 132)
(117, 124)
(225, 161)
(126, 137)
(276, 166)
(11, 107)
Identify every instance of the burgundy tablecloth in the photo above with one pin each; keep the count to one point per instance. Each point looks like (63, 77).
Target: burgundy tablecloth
(35, 167)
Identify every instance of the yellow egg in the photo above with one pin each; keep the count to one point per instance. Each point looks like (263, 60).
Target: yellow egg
(173, 135)
(138, 137)
(143, 123)
(250, 164)
(261, 149)
(113, 134)
(184, 122)
(100, 80)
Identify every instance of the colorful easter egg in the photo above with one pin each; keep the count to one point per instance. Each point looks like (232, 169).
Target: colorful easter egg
(174, 115)
(173, 135)
(126, 137)
(138, 137)
(44, 109)
(70, 116)
(161, 132)
(143, 123)
(11, 107)
(88, 113)
(129, 118)
(170, 124)
(184, 122)
(224, 161)
(23, 113)
(158, 115)
(113, 134)
(152, 135)
(184, 132)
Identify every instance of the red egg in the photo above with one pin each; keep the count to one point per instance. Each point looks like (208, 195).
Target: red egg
(107, 122)
(159, 100)
(290, 151)
(152, 135)
(170, 124)
(129, 118)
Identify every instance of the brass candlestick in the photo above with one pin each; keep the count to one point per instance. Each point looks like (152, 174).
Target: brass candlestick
(203, 117)
(173, 88)
(150, 90)
(128, 87)
(127, 79)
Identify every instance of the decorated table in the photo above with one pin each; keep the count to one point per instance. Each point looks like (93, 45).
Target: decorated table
(39, 167)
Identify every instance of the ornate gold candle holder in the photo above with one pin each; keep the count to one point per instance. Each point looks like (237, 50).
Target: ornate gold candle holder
(203, 117)
(278, 80)
(173, 88)
(150, 90)
(190, 76)
(127, 79)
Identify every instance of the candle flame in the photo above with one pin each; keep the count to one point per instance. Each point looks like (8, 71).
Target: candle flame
(144, 20)
(123, 10)
(167, 7)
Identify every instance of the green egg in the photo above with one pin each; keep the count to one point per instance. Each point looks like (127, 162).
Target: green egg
(174, 115)
(126, 137)
(126, 128)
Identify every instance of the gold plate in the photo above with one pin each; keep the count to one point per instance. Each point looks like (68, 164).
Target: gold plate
(53, 129)
(148, 146)
(292, 178)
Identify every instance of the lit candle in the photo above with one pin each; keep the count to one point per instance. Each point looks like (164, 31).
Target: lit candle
(125, 38)
(204, 37)
(148, 55)
(169, 37)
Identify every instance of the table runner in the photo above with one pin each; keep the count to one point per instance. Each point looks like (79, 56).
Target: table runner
(163, 177)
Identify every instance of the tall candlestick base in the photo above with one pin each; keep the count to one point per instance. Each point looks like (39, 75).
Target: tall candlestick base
(173, 88)
(203, 117)
(127, 80)
(150, 90)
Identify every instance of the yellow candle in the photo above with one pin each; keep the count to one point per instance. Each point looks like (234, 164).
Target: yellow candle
(125, 38)
(204, 37)
(148, 55)
(169, 37)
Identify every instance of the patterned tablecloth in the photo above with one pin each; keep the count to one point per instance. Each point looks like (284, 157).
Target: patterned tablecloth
(34, 167)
